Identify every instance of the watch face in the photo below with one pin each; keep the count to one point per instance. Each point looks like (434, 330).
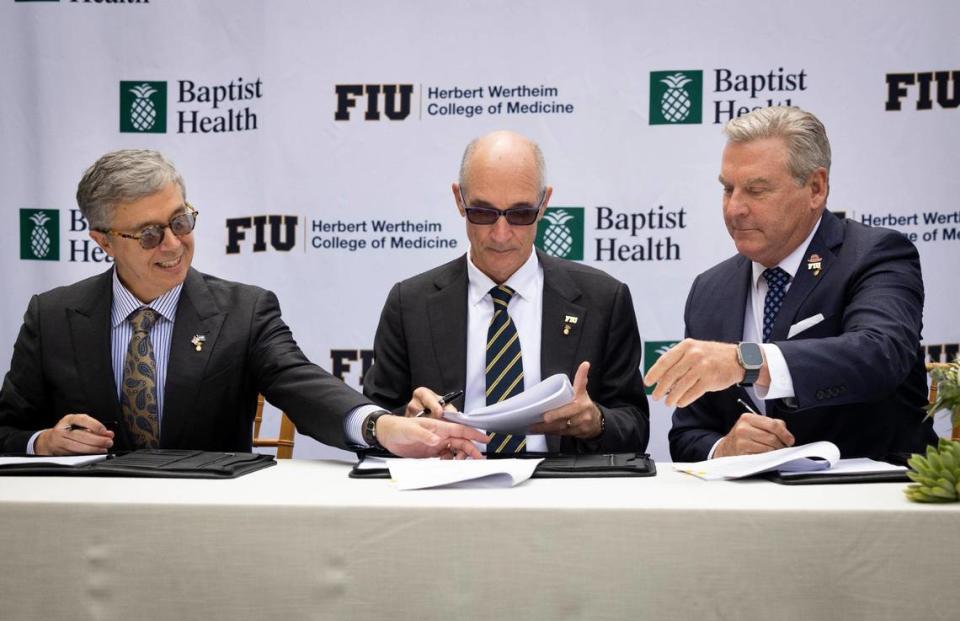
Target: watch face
(751, 355)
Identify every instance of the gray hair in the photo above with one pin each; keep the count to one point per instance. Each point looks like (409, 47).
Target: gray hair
(807, 145)
(534, 148)
(122, 177)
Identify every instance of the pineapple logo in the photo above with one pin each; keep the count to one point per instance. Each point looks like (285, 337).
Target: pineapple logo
(40, 234)
(560, 233)
(652, 350)
(143, 107)
(676, 97)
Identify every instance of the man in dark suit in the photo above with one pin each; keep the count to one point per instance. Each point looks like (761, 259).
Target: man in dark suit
(816, 321)
(153, 353)
(504, 317)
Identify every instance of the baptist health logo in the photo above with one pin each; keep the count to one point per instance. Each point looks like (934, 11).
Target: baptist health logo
(40, 234)
(560, 232)
(143, 107)
(652, 350)
(676, 97)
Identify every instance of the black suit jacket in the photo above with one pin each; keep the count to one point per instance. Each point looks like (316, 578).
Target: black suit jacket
(858, 375)
(61, 364)
(422, 341)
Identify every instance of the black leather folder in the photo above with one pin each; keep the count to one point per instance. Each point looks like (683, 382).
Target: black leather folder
(152, 463)
(555, 466)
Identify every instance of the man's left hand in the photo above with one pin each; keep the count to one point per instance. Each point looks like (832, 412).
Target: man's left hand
(580, 418)
(692, 368)
(428, 437)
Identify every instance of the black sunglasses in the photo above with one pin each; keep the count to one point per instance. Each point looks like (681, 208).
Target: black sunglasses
(517, 216)
(152, 235)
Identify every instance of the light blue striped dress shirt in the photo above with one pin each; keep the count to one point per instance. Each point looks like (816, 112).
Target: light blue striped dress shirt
(124, 304)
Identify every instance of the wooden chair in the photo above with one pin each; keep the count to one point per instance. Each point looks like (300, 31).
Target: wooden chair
(933, 383)
(284, 442)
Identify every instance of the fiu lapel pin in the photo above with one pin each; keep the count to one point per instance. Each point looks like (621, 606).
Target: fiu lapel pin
(814, 264)
(569, 321)
(198, 340)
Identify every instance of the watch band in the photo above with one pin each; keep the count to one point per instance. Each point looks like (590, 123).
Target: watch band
(370, 430)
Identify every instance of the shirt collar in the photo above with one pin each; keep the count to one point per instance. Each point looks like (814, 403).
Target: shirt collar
(125, 302)
(791, 263)
(523, 281)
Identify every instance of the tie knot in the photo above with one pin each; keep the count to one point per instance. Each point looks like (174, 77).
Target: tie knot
(143, 319)
(501, 295)
(776, 277)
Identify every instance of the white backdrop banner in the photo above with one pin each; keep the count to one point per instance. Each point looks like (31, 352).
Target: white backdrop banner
(319, 139)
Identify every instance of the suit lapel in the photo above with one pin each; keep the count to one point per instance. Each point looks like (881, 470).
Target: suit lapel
(447, 310)
(197, 314)
(827, 237)
(734, 294)
(558, 351)
(90, 329)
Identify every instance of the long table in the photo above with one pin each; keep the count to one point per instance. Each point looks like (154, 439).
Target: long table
(303, 541)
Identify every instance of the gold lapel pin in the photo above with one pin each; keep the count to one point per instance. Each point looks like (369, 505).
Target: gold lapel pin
(815, 264)
(198, 340)
(569, 321)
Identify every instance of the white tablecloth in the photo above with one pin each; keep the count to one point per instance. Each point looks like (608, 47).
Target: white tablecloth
(303, 541)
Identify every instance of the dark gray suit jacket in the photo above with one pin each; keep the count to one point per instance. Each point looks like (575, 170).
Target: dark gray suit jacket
(422, 341)
(858, 375)
(61, 364)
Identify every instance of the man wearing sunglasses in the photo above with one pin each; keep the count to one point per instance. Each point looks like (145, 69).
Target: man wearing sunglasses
(503, 317)
(153, 354)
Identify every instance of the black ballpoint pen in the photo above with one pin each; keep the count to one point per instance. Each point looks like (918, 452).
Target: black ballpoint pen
(445, 399)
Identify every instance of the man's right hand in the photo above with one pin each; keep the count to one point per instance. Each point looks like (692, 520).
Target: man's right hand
(425, 399)
(74, 434)
(754, 434)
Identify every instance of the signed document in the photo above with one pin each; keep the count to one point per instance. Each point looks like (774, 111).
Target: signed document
(517, 413)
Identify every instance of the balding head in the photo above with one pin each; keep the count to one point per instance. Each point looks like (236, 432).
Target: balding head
(501, 172)
(513, 154)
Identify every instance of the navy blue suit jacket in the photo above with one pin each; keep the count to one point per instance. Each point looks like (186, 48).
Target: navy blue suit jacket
(859, 378)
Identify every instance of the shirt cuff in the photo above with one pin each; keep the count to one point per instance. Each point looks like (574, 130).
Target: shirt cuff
(353, 424)
(713, 448)
(31, 443)
(781, 383)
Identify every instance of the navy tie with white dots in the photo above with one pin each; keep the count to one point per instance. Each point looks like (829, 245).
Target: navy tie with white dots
(777, 281)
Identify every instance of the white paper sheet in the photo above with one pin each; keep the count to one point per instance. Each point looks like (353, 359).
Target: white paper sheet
(517, 413)
(65, 460)
(423, 473)
(803, 458)
(858, 465)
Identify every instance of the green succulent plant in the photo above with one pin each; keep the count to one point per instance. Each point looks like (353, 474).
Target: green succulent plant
(937, 476)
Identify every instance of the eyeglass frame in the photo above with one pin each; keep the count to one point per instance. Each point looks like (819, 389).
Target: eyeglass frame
(501, 212)
(189, 211)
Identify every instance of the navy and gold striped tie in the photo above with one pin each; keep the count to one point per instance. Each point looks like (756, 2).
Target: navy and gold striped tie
(504, 370)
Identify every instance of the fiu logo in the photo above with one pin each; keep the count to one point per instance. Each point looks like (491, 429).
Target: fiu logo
(947, 86)
(341, 367)
(396, 100)
(283, 232)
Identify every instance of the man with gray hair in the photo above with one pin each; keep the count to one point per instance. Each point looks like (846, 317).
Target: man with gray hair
(816, 320)
(503, 316)
(154, 354)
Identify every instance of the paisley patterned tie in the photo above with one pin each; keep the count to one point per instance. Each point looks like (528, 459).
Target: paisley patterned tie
(138, 396)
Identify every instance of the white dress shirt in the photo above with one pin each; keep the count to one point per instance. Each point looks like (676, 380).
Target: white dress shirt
(526, 312)
(781, 382)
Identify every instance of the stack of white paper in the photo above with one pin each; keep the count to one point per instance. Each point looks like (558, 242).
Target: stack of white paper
(517, 413)
(423, 473)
